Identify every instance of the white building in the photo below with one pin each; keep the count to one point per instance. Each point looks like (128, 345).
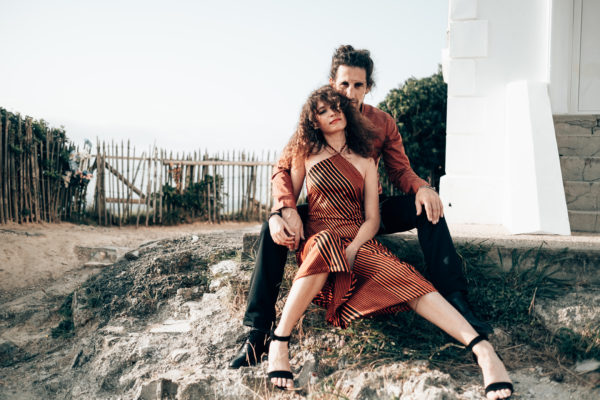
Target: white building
(517, 71)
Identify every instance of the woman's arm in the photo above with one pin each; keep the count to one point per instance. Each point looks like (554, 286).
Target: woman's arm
(371, 225)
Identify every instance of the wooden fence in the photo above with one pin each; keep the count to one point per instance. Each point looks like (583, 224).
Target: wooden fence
(157, 187)
(33, 164)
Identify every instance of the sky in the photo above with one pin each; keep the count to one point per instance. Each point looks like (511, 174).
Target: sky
(200, 75)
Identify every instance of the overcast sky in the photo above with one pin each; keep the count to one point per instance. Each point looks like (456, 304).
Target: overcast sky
(199, 74)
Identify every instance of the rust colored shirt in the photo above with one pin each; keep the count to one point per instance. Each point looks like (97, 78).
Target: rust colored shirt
(387, 144)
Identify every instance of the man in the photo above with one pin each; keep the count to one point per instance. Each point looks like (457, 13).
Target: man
(351, 74)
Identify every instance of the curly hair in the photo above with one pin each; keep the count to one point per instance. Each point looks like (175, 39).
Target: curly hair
(347, 55)
(308, 138)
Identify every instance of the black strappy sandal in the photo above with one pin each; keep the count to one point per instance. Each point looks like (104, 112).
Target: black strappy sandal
(280, 373)
(495, 385)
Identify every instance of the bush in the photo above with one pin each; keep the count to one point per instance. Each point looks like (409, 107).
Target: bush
(419, 108)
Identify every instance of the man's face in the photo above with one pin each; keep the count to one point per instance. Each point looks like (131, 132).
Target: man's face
(351, 82)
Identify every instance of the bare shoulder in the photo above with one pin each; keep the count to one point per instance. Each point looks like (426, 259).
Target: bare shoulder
(362, 164)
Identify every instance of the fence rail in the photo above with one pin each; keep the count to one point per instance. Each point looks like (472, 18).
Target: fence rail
(156, 187)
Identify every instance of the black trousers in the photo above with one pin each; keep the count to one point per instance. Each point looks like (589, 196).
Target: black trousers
(398, 214)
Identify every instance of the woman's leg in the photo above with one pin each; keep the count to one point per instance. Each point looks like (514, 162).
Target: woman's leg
(434, 308)
(301, 294)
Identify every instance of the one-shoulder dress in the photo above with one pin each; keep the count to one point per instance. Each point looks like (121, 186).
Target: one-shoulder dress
(379, 283)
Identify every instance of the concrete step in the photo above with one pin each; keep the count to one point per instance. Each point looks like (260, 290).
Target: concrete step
(577, 125)
(586, 169)
(585, 221)
(576, 258)
(582, 196)
(581, 146)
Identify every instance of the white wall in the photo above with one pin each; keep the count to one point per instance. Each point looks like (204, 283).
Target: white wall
(491, 44)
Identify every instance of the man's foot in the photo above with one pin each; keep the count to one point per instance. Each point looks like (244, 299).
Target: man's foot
(495, 378)
(251, 351)
(280, 371)
(458, 301)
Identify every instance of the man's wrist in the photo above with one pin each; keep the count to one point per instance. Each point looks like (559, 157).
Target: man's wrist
(427, 187)
(278, 212)
(287, 211)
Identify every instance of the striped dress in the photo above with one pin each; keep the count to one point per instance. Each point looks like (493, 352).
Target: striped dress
(379, 282)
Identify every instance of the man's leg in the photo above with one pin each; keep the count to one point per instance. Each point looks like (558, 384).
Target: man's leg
(444, 266)
(262, 296)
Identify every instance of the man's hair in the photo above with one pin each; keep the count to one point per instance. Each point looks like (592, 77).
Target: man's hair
(308, 138)
(347, 55)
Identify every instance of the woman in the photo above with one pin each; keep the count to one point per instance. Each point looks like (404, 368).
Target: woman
(342, 267)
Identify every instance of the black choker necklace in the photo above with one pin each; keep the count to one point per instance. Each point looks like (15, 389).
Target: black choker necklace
(335, 151)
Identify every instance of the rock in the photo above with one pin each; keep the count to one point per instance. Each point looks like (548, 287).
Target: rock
(173, 326)
(107, 254)
(587, 365)
(81, 309)
(132, 255)
(160, 389)
(227, 267)
(180, 355)
(97, 264)
(189, 293)
(194, 238)
(76, 359)
(578, 311)
(308, 374)
(433, 385)
(9, 353)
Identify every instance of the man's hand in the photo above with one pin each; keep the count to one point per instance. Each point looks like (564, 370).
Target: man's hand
(429, 199)
(294, 222)
(281, 232)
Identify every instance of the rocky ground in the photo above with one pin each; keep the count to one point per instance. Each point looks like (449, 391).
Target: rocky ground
(163, 321)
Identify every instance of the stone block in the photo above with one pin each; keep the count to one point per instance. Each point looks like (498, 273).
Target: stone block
(577, 125)
(582, 196)
(465, 115)
(463, 9)
(585, 221)
(580, 168)
(582, 146)
(461, 79)
(468, 39)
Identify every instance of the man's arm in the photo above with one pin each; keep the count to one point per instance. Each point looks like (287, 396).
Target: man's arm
(402, 175)
(281, 182)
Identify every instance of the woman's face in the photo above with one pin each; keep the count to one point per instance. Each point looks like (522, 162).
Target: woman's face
(329, 121)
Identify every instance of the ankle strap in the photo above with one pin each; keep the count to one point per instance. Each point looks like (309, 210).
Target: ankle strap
(476, 340)
(279, 338)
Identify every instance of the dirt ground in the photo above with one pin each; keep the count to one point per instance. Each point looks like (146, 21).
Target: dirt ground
(32, 255)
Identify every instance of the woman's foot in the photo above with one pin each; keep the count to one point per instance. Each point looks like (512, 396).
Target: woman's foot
(493, 369)
(279, 361)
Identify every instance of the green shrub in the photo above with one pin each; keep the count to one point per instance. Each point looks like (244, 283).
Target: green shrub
(419, 108)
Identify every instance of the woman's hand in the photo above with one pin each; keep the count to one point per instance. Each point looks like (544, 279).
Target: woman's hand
(351, 256)
(281, 232)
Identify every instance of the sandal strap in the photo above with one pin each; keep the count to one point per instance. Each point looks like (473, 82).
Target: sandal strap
(476, 340)
(273, 336)
(499, 386)
(280, 374)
